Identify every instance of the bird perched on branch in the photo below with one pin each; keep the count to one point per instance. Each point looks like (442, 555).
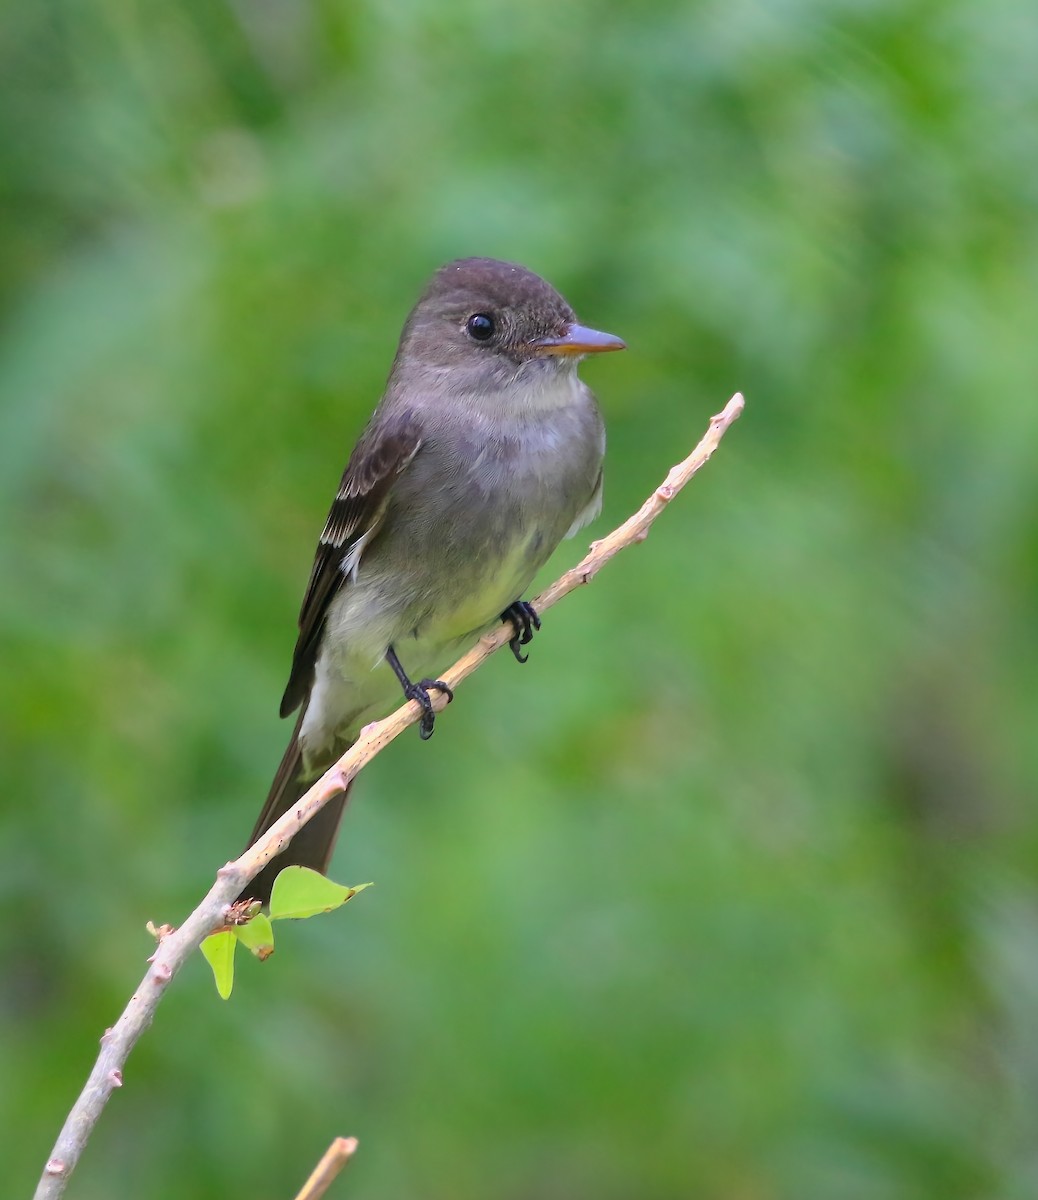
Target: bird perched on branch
(483, 454)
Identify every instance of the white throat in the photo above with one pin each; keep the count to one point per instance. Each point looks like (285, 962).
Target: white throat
(538, 386)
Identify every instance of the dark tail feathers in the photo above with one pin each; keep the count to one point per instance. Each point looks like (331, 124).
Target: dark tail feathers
(313, 844)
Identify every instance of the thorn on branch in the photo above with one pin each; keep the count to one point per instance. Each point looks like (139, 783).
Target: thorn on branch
(241, 912)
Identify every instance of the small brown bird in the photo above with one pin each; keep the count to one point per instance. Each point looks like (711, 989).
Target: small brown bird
(484, 453)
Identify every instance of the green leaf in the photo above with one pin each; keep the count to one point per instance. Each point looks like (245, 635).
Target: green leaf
(299, 892)
(218, 949)
(257, 936)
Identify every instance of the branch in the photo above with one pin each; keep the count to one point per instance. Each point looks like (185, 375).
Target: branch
(334, 1159)
(177, 946)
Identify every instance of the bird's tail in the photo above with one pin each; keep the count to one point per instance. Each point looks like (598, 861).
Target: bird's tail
(312, 846)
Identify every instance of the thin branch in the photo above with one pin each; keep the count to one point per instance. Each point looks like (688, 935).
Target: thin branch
(334, 1159)
(177, 946)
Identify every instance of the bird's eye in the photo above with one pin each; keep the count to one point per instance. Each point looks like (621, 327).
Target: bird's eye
(480, 327)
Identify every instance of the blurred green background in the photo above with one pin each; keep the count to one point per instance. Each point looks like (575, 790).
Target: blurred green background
(731, 892)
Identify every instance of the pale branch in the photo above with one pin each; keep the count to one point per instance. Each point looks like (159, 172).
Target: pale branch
(176, 947)
(332, 1162)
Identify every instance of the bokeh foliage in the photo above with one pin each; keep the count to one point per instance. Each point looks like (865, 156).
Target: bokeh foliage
(731, 892)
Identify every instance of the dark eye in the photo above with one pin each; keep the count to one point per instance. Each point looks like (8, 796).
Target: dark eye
(480, 327)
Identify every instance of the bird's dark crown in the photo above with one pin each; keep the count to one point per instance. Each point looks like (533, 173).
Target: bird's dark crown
(521, 308)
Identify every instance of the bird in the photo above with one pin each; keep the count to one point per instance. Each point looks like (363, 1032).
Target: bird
(484, 453)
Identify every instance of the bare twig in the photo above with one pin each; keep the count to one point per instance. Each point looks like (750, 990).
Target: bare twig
(175, 947)
(334, 1159)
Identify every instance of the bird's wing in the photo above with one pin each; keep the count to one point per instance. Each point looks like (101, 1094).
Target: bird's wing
(378, 460)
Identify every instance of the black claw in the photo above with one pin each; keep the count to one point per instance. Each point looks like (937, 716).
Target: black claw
(525, 621)
(440, 686)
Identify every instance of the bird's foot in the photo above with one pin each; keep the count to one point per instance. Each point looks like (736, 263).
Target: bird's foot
(420, 691)
(525, 622)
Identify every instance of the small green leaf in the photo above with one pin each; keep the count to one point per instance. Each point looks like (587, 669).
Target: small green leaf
(257, 936)
(299, 892)
(218, 949)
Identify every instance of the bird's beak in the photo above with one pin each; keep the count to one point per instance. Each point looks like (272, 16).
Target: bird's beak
(578, 339)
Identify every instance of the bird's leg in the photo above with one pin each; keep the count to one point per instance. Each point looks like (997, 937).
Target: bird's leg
(419, 691)
(525, 621)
